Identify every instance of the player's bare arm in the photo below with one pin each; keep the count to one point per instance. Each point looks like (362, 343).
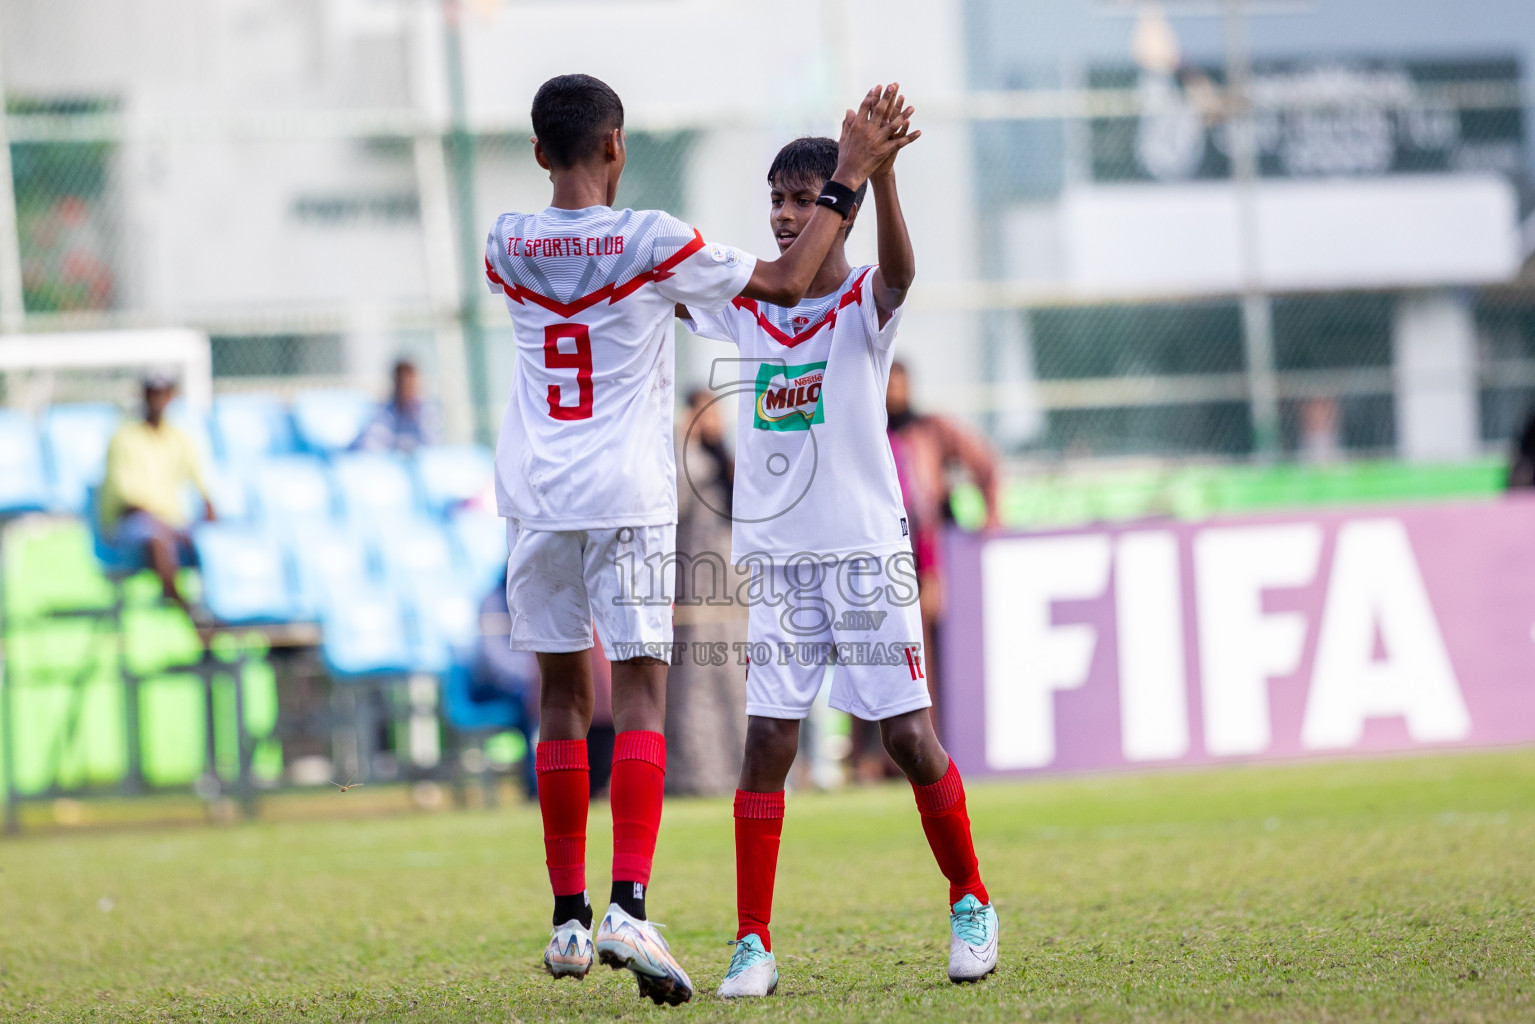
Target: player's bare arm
(871, 136)
(897, 262)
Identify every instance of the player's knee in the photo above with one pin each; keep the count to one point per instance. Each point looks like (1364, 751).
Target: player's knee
(903, 745)
(771, 744)
(909, 741)
(573, 700)
(777, 736)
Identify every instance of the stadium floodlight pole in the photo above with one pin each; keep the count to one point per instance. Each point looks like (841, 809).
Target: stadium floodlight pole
(12, 301)
(440, 237)
(12, 321)
(471, 239)
(439, 230)
(1257, 311)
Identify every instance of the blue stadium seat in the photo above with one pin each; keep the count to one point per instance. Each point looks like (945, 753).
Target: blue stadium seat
(229, 493)
(415, 553)
(194, 424)
(329, 420)
(365, 635)
(446, 625)
(23, 479)
(373, 485)
(467, 715)
(449, 475)
(76, 437)
(250, 426)
(291, 491)
(329, 564)
(244, 578)
(481, 542)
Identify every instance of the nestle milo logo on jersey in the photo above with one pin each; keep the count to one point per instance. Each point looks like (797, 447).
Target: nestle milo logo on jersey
(789, 397)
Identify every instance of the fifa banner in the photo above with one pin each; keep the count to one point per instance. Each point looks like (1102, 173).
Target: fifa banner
(1291, 636)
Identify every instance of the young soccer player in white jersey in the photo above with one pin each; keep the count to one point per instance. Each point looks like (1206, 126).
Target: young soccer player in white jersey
(586, 479)
(819, 519)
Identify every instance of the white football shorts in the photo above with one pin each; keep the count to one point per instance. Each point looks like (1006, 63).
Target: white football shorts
(867, 627)
(560, 582)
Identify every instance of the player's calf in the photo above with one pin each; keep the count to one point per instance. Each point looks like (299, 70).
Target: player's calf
(940, 796)
(563, 792)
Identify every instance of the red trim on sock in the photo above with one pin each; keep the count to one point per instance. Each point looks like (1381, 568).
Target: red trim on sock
(762, 806)
(559, 756)
(640, 745)
(946, 823)
(564, 790)
(639, 781)
(940, 796)
(759, 829)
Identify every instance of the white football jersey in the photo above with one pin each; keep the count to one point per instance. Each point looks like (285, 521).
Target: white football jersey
(586, 442)
(814, 471)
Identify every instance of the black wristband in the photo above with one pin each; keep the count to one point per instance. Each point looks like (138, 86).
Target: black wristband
(837, 196)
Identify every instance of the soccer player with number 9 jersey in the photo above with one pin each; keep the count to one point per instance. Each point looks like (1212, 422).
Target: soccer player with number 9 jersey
(586, 477)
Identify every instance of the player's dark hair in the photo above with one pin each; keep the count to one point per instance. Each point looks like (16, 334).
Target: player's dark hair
(572, 114)
(808, 163)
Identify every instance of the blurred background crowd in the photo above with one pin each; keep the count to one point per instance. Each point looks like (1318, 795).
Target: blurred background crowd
(1177, 259)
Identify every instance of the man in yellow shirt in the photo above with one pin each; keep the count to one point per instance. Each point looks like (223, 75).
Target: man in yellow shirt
(148, 464)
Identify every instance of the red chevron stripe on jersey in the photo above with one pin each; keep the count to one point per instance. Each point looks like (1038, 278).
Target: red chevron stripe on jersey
(851, 297)
(612, 292)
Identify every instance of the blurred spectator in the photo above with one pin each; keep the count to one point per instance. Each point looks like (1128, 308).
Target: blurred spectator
(705, 703)
(405, 422)
(1321, 432)
(148, 465)
(1522, 472)
(925, 447)
(64, 267)
(500, 673)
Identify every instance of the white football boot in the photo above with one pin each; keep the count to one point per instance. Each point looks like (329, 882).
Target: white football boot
(753, 971)
(569, 953)
(628, 942)
(972, 940)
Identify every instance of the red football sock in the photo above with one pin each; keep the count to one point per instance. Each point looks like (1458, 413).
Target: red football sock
(564, 790)
(639, 778)
(947, 825)
(759, 826)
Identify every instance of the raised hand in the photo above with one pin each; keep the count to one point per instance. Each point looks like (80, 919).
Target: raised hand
(873, 134)
(904, 135)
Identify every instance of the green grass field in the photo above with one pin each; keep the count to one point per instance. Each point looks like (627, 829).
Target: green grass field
(1368, 891)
